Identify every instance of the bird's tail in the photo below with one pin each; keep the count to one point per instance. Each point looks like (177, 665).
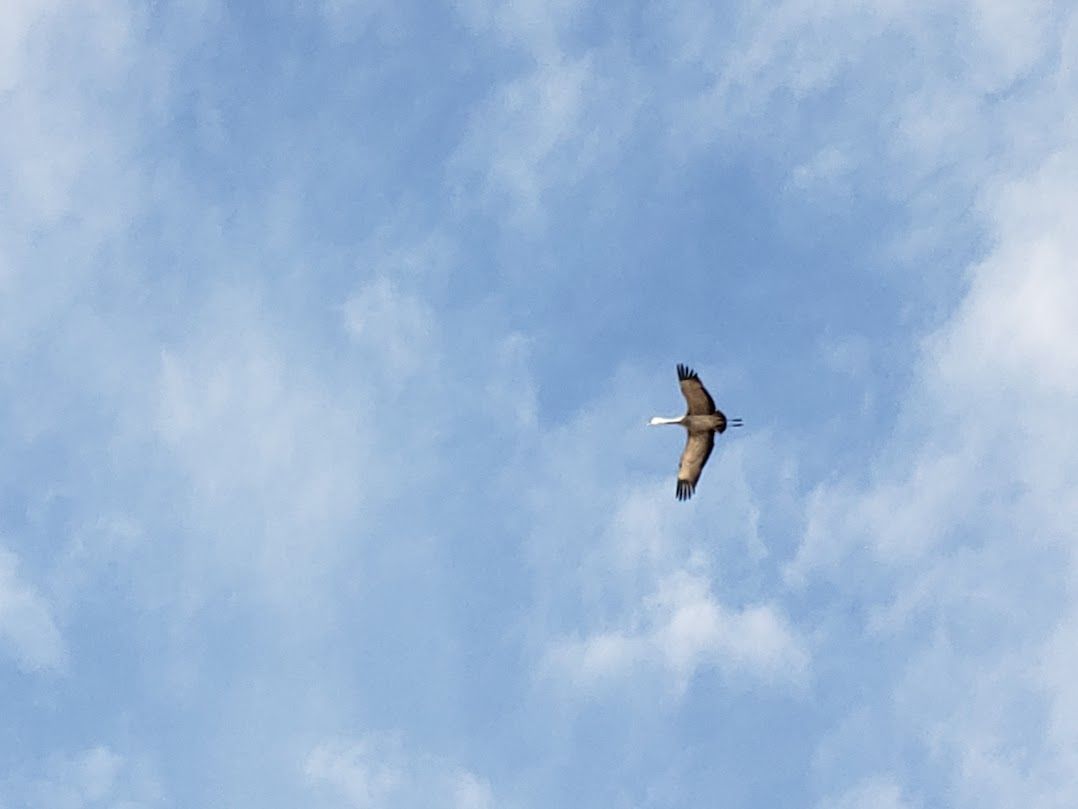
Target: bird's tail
(721, 422)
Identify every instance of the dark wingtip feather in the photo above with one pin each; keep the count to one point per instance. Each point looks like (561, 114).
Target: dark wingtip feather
(685, 372)
(684, 490)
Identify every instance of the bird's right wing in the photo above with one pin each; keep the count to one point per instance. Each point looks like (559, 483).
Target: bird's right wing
(697, 450)
(699, 400)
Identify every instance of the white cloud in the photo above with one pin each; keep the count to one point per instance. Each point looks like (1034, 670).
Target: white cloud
(546, 132)
(375, 771)
(356, 770)
(961, 537)
(54, 152)
(682, 629)
(397, 326)
(535, 25)
(790, 49)
(514, 142)
(874, 793)
(68, 156)
(16, 25)
(1008, 40)
(28, 630)
(824, 170)
(535, 127)
(349, 20)
(94, 773)
(850, 355)
(276, 463)
(914, 104)
(97, 777)
(471, 792)
(991, 405)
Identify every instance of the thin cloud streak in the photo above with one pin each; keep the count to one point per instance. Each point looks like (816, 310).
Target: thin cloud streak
(28, 630)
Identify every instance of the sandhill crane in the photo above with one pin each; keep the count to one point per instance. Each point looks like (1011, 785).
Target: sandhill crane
(701, 422)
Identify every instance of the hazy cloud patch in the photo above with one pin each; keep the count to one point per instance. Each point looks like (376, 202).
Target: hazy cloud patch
(682, 629)
(376, 771)
(96, 777)
(27, 626)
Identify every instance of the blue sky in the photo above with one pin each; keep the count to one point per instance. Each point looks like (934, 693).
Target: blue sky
(329, 332)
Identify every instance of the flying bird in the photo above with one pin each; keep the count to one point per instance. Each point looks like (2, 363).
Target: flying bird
(701, 422)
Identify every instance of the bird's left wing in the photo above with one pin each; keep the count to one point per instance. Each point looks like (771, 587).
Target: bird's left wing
(697, 450)
(700, 401)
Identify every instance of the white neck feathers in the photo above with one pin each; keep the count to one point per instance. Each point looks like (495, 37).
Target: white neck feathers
(658, 420)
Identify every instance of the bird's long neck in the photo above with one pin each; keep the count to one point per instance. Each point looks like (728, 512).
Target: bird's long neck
(658, 420)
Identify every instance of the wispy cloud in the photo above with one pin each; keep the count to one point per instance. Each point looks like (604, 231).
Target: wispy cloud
(544, 132)
(873, 793)
(958, 526)
(534, 26)
(247, 423)
(384, 319)
(682, 629)
(376, 771)
(98, 776)
(28, 631)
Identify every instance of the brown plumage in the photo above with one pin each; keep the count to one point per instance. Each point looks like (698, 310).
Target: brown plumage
(701, 422)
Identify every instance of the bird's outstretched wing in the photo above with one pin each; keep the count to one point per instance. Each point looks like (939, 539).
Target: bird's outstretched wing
(697, 450)
(700, 401)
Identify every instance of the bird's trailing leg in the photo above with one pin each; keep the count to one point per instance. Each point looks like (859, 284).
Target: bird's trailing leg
(736, 423)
